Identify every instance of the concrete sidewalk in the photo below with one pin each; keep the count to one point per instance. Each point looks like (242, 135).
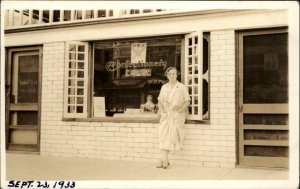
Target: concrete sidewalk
(37, 167)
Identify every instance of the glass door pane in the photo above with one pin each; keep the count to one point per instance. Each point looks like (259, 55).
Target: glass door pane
(265, 68)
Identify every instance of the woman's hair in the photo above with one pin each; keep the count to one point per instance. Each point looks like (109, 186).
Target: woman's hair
(171, 68)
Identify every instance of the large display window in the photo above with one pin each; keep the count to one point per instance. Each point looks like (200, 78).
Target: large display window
(123, 77)
(128, 73)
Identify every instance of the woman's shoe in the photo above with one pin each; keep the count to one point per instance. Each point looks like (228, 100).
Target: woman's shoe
(160, 164)
(165, 164)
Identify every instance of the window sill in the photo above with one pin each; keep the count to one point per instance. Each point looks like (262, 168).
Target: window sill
(130, 119)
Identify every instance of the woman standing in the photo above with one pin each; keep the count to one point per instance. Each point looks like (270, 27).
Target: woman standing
(173, 101)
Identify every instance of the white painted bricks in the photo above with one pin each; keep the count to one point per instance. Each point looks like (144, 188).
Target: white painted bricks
(211, 145)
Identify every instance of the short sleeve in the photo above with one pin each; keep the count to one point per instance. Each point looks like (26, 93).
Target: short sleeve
(186, 95)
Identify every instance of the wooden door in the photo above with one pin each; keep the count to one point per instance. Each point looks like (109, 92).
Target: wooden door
(263, 98)
(23, 105)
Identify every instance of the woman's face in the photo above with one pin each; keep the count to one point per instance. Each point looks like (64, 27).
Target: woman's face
(172, 75)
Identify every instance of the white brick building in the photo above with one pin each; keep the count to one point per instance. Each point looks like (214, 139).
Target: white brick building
(228, 137)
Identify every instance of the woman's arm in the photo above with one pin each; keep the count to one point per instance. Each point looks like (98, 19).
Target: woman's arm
(160, 107)
(184, 106)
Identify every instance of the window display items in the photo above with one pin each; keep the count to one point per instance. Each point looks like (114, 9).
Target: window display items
(149, 106)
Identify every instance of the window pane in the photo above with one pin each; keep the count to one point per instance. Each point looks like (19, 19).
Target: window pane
(79, 100)
(72, 73)
(195, 100)
(27, 118)
(28, 78)
(72, 47)
(190, 81)
(195, 50)
(79, 109)
(266, 69)
(80, 56)
(80, 74)
(80, 48)
(72, 65)
(196, 71)
(196, 60)
(71, 100)
(266, 151)
(72, 82)
(80, 65)
(79, 91)
(195, 90)
(196, 110)
(72, 56)
(71, 109)
(127, 71)
(265, 135)
(71, 91)
(190, 61)
(190, 51)
(190, 41)
(196, 40)
(190, 70)
(266, 119)
(80, 84)
(196, 80)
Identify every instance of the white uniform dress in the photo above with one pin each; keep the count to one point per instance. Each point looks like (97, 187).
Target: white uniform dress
(171, 127)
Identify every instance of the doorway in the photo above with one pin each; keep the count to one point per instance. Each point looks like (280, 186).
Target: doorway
(23, 92)
(263, 98)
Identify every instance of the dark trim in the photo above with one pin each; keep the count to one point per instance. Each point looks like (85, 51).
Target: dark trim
(68, 24)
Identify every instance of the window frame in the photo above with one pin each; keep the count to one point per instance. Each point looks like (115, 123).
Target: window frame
(85, 80)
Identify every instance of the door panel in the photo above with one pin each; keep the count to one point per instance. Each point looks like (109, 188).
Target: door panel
(23, 80)
(263, 98)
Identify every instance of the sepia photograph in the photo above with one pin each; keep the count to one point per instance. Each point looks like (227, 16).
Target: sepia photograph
(149, 94)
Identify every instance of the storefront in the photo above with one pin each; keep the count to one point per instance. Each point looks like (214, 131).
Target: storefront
(87, 85)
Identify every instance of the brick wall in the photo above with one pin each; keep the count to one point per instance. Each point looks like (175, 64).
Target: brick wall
(210, 145)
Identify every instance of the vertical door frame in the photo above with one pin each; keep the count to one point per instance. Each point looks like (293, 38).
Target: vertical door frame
(240, 63)
(8, 83)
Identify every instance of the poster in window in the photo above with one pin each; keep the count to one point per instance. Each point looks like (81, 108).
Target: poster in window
(99, 106)
(138, 52)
